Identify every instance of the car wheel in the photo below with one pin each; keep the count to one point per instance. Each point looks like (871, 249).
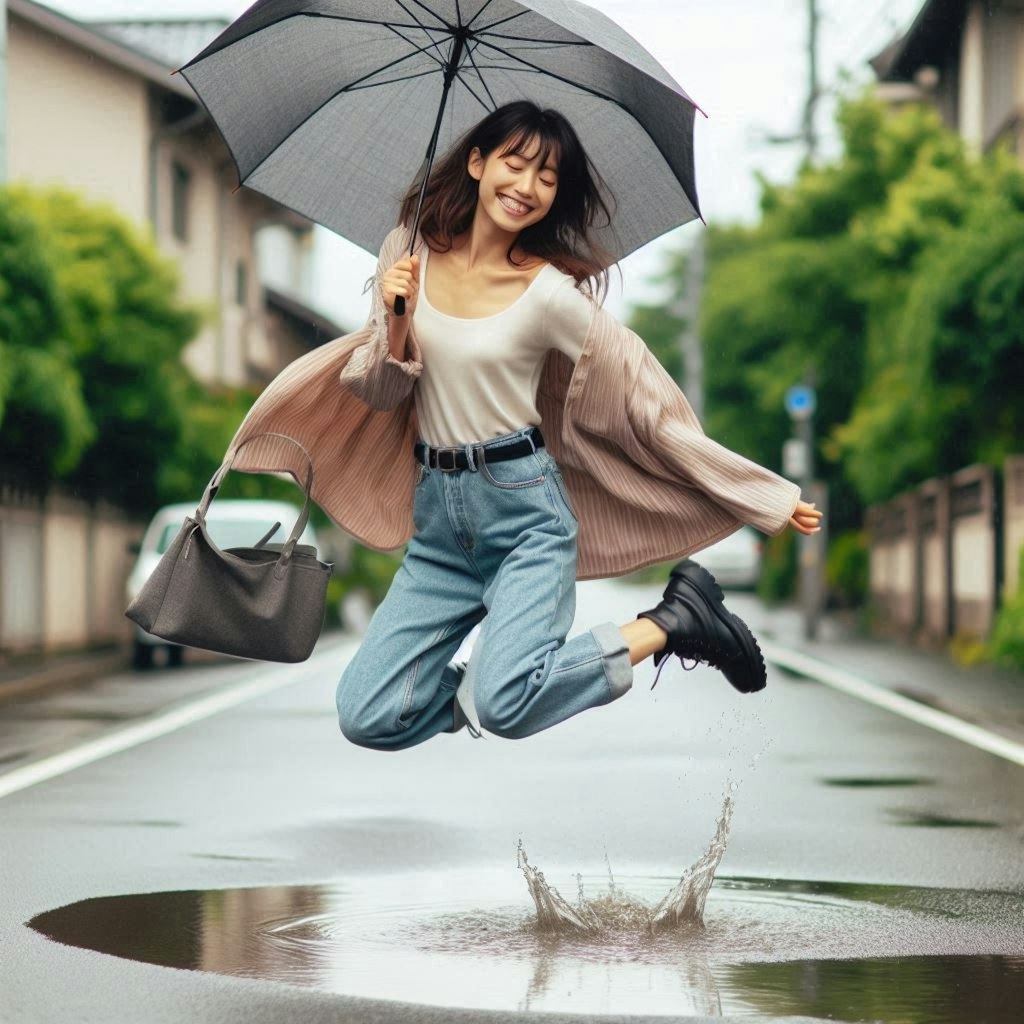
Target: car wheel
(142, 655)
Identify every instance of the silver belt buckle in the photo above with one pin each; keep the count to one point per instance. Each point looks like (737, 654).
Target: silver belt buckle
(454, 466)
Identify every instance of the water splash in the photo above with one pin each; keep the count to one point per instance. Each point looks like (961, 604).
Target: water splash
(554, 914)
(684, 905)
(681, 908)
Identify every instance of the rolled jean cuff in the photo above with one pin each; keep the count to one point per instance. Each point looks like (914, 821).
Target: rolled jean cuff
(618, 669)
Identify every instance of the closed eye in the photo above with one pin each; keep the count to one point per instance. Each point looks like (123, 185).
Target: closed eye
(512, 167)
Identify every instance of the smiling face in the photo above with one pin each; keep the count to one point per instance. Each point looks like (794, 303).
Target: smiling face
(518, 182)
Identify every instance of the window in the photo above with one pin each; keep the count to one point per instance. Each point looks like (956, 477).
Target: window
(241, 283)
(180, 180)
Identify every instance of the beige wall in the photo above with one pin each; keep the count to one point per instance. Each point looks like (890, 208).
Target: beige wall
(78, 120)
(65, 575)
(64, 569)
(972, 76)
(75, 119)
(933, 586)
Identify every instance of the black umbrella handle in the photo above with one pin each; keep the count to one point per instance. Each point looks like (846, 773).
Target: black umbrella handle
(399, 305)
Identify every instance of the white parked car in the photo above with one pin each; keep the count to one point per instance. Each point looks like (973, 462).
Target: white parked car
(735, 562)
(232, 523)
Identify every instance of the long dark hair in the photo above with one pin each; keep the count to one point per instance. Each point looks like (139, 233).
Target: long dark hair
(563, 236)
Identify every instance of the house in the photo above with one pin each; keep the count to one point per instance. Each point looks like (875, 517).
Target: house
(94, 106)
(967, 57)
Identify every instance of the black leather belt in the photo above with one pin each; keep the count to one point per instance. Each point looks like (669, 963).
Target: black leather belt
(448, 460)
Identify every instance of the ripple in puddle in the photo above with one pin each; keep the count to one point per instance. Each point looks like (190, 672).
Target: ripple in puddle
(848, 951)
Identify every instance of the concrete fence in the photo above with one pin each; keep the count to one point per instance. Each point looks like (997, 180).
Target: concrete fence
(63, 567)
(943, 555)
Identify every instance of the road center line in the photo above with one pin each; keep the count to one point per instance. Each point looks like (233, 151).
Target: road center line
(158, 725)
(880, 696)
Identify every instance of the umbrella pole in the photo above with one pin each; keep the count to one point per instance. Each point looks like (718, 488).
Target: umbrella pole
(449, 74)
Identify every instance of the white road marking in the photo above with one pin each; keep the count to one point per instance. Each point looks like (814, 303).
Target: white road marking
(160, 724)
(177, 718)
(882, 697)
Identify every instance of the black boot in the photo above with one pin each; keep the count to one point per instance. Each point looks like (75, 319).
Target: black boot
(700, 627)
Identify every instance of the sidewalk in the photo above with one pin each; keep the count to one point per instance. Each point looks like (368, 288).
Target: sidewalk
(28, 676)
(981, 694)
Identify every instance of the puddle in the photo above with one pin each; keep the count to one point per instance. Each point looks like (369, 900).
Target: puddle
(854, 952)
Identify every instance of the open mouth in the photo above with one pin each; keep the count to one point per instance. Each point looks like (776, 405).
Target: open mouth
(513, 205)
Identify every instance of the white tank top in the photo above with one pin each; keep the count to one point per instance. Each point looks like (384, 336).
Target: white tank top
(480, 374)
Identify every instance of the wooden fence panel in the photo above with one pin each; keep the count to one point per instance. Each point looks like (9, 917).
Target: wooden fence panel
(973, 544)
(933, 561)
(1013, 521)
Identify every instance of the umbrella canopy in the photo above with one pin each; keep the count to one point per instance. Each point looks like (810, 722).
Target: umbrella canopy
(329, 106)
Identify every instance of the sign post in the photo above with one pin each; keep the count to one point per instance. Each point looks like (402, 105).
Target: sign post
(798, 456)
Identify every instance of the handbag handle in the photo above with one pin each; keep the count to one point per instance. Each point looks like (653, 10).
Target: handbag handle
(215, 481)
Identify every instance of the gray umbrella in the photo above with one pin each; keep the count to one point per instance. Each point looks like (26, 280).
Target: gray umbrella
(326, 105)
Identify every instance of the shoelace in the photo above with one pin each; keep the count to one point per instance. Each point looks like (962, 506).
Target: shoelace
(682, 661)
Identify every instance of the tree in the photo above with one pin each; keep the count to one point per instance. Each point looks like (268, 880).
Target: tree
(892, 279)
(945, 386)
(122, 330)
(45, 422)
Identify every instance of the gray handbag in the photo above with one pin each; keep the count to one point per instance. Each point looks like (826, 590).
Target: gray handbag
(265, 602)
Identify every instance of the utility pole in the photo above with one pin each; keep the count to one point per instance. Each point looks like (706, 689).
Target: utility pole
(807, 135)
(808, 131)
(798, 463)
(3, 91)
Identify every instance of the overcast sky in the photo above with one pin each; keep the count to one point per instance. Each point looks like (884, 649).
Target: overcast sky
(743, 61)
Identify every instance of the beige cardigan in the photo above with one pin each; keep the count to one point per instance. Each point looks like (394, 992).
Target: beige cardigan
(646, 483)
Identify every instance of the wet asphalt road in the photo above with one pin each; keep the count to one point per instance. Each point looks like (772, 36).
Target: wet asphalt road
(269, 794)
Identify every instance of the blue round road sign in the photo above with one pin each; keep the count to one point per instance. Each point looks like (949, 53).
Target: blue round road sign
(800, 401)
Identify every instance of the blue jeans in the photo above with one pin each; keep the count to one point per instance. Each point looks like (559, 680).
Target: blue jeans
(495, 540)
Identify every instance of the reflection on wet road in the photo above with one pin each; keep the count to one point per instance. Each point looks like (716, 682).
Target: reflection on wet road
(256, 844)
(471, 939)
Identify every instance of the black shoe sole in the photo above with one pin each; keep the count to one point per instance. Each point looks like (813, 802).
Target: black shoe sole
(698, 577)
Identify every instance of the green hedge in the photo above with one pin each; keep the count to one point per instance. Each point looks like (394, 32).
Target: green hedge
(1006, 645)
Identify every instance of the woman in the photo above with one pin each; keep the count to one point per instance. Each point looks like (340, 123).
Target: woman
(497, 305)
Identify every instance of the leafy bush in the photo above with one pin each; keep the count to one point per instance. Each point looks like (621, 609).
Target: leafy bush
(846, 569)
(92, 331)
(1006, 645)
(45, 423)
(778, 568)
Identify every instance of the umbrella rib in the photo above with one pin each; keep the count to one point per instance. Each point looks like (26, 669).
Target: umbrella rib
(389, 81)
(437, 59)
(469, 23)
(500, 21)
(466, 86)
(550, 74)
(530, 39)
(375, 71)
(311, 14)
(433, 14)
(472, 60)
(351, 87)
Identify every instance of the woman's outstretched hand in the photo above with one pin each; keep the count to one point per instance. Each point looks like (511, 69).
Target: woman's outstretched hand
(806, 518)
(402, 278)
